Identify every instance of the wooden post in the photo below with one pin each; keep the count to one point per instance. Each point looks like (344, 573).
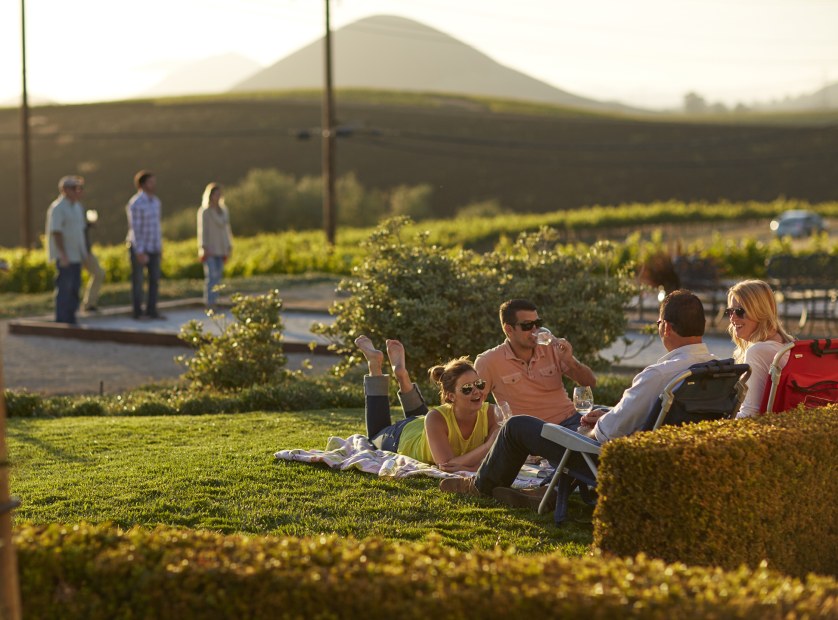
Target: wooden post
(328, 131)
(9, 586)
(26, 236)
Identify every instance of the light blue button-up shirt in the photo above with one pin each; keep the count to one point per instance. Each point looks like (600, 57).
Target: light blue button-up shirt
(631, 412)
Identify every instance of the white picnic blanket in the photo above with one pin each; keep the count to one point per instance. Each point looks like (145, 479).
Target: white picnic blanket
(357, 452)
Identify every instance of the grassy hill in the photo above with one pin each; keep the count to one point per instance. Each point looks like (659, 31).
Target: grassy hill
(531, 158)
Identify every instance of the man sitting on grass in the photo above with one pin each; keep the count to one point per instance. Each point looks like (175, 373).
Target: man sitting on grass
(680, 327)
(527, 375)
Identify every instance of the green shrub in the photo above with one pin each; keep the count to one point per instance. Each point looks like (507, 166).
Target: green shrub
(248, 351)
(726, 493)
(23, 404)
(95, 572)
(87, 407)
(443, 303)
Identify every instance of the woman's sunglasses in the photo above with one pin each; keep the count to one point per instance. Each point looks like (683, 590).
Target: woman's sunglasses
(528, 326)
(466, 388)
(740, 312)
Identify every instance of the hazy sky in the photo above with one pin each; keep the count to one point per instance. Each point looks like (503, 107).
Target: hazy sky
(642, 52)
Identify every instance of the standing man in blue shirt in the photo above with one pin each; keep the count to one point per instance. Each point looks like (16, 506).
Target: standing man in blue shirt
(145, 243)
(66, 246)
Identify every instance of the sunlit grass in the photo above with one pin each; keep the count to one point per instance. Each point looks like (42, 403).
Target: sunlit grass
(218, 472)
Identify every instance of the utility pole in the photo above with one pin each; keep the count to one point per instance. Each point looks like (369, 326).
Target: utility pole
(328, 125)
(26, 174)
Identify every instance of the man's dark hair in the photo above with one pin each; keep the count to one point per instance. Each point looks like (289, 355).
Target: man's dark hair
(684, 311)
(141, 177)
(509, 309)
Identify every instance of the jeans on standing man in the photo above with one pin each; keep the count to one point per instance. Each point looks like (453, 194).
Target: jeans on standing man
(67, 284)
(152, 267)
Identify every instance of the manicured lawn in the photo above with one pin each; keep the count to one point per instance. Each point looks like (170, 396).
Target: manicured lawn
(218, 472)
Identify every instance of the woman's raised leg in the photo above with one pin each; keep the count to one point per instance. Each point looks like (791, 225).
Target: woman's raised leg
(376, 389)
(413, 403)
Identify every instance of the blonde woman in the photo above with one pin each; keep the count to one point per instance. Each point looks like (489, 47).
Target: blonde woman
(454, 436)
(756, 331)
(215, 239)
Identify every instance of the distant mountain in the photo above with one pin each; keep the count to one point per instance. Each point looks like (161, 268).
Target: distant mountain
(394, 53)
(211, 75)
(824, 99)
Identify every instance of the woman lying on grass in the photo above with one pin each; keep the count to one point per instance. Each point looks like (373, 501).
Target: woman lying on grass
(455, 436)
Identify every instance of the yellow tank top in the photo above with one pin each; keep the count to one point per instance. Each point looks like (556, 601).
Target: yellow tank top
(414, 439)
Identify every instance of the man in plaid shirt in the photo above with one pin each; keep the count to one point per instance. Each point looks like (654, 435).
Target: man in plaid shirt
(144, 243)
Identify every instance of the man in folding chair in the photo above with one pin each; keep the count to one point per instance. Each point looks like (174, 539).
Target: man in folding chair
(681, 329)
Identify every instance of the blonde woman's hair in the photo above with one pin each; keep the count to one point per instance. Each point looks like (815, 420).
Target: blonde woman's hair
(446, 375)
(208, 190)
(757, 298)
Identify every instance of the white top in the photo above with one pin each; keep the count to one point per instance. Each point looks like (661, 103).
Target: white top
(631, 412)
(759, 357)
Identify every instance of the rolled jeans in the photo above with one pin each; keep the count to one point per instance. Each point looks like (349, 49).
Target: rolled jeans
(213, 270)
(519, 437)
(137, 277)
(67, 285)
(380, 428)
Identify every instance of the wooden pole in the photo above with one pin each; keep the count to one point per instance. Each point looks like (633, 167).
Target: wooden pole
(328, 123)
(26, 173)
(9, 586)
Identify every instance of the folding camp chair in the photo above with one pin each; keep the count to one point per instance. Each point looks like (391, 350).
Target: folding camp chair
(810, 376)
(708, 391)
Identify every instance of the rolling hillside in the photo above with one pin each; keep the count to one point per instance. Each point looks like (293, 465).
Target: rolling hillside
(529, 158)
(394, 53)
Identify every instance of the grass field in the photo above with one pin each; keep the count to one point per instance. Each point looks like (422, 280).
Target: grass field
(529, 158)
(218, 472)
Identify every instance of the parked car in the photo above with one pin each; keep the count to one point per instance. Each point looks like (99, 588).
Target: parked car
(797, 223)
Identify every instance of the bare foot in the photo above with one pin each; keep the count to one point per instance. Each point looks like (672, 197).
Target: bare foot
(395, 353)
(375, 358)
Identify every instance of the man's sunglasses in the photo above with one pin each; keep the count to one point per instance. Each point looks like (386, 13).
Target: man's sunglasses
(467, 388)
(740, 312)
(528, 326)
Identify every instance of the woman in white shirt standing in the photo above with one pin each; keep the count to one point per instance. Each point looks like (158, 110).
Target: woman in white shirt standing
(215, 240)
(756, 331)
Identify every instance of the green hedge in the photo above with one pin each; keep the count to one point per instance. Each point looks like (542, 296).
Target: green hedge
(726, 493)
(96, 572)
(296, 393)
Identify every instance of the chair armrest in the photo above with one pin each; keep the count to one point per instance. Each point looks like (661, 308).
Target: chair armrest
(570, 439)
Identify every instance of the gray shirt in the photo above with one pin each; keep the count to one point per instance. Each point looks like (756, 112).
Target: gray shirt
(631, 412)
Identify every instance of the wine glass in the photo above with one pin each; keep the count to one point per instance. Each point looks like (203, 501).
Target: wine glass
(543, 336)
(583, 399)
(502, 412)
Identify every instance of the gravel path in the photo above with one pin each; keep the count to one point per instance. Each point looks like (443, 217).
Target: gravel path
(53, 366)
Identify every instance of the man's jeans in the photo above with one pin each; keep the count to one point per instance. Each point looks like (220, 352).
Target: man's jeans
(137, 276)
(519, 437)
(67, 285)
